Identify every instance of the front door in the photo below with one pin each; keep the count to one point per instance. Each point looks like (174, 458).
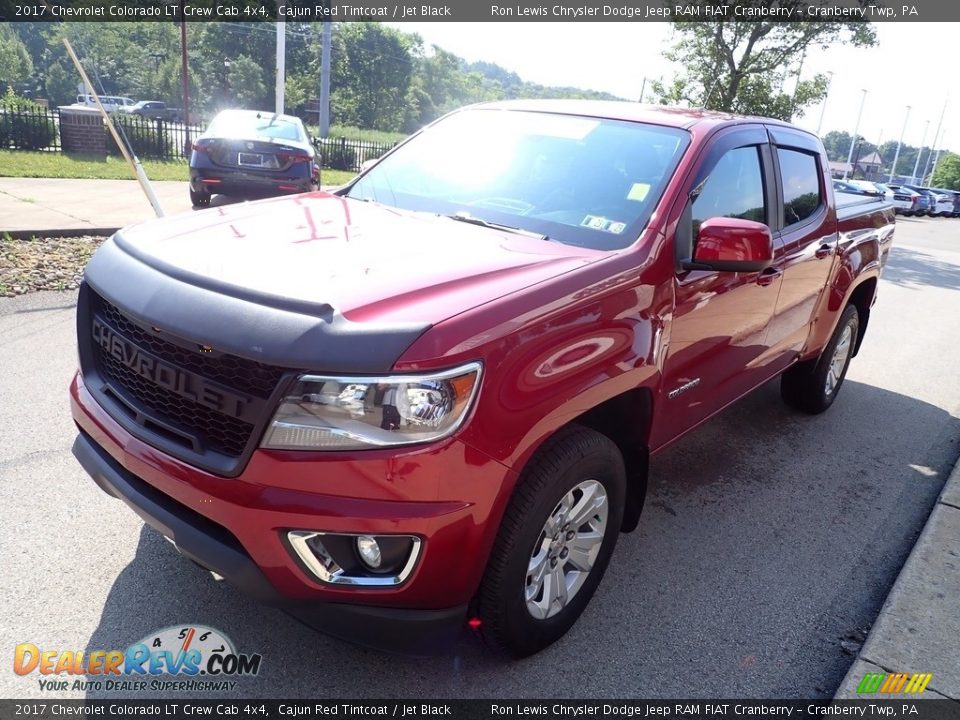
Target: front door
(716, 346)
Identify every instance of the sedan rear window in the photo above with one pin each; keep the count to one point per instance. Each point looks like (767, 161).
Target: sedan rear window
(261, 125)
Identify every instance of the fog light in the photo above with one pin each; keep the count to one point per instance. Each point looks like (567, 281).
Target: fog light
(369, 551)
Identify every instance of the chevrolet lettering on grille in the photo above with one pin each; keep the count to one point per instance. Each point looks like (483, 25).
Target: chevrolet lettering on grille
(171, 378)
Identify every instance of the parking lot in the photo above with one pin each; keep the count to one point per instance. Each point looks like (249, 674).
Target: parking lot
(768, 538)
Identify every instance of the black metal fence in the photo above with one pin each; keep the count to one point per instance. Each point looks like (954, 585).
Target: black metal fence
(34, 129)
(345, 154)
(154, 138)
(150, 138)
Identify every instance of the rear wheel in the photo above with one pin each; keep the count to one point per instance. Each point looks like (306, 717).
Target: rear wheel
(199, 199)
(554, 543)
(812, 386)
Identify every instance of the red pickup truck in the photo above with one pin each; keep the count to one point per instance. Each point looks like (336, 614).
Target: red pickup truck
(429, 398)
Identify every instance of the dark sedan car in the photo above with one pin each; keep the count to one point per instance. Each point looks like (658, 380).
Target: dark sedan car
(251, 153)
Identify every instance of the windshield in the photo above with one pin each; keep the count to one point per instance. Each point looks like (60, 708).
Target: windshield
(265, 125)
(583, 181)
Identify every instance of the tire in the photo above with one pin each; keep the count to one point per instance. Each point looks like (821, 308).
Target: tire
(575, 465)
(199, 199)
(812, 386)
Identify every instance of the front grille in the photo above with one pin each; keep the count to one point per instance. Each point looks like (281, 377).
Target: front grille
(196, 426)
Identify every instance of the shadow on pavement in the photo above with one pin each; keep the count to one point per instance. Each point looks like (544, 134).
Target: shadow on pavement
(912, 268)
(768, 538)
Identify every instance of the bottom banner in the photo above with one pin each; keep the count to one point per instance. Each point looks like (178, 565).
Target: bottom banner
(909, 708)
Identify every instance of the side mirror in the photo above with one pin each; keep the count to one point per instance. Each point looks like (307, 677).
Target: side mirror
(368, 164)
(732, 245)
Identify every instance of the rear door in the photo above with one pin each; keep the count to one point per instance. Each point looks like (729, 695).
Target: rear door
(720, 318)
(805, 242)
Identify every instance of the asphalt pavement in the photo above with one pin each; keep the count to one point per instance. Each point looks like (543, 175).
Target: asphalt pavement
(769, 543)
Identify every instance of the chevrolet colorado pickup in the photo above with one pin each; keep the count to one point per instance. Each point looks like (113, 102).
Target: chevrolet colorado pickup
(428, 399)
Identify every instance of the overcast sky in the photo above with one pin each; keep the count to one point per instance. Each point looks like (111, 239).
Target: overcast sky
(913, 64)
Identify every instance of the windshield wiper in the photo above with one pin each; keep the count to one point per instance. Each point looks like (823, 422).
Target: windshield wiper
(471, 220)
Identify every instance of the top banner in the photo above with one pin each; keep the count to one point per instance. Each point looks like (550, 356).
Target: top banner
(312, 11)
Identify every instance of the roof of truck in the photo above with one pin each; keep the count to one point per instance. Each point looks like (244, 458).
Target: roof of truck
(634, 112)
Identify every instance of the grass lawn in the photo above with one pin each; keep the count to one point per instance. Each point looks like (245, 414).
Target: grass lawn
(23, 163)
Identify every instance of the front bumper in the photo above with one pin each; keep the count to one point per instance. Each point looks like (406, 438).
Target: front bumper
(210, 546)
(236, 527)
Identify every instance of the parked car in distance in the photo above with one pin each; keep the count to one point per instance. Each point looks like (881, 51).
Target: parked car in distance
(111, 103)
(928, 201)
(904, 196)
(942, 202)
(428, 401)
(904, 200)
(953, 197)
(156, 110)
(249, 153)
(848, 187)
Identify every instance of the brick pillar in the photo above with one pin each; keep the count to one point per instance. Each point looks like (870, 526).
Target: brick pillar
(82, 131)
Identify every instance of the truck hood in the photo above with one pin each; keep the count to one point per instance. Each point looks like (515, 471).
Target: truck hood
(365, 261)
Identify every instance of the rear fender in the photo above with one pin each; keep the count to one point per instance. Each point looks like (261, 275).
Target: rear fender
(863, 248)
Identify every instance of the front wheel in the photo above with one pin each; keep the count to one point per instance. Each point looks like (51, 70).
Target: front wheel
(812, 386)
(555, 542)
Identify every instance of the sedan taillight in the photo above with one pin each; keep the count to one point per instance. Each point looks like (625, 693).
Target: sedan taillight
(293, 158)
(202, 147)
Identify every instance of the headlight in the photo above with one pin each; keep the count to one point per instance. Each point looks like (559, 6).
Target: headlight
(352, 413)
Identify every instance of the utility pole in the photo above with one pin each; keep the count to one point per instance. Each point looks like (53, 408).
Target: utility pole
(936, 140)
(324, 120)
(916, 165)
(643, 88)
(856, 129)
(825, 98)
(281, 55)
(933, 170)
(896, 155)
(793, 99)
(185, 81)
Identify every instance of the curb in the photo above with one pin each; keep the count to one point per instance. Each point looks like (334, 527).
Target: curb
(918, 624)
(68, 232)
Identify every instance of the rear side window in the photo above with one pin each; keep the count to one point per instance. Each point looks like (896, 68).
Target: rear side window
(800, 175)
(734, 188)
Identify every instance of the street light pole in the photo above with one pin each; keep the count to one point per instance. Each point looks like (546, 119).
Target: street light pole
(933, 170)
(896, 156)
(281, 57)
(936, 139)
(185, 80)
(916, 165)
(856, 129)
(825, 98)
(324, 119)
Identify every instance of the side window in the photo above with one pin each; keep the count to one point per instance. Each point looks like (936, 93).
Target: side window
(734, 188)
(800, 174)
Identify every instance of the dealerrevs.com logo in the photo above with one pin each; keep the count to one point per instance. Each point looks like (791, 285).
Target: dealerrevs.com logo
(189, 658)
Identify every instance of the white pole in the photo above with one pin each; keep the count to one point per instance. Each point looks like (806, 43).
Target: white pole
(281, 56)
(936, 140)
(325, 78)
(132, 159)
(896, 155)
(825, 98)
(856, 129)
(933, 170)
(916, 165)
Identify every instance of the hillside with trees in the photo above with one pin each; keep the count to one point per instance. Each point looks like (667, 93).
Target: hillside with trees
(381, 78)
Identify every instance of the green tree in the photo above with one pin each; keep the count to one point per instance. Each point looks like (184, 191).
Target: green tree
(947, 174)
(247, 84)
(15, 63)
(60, 84)
(752, 68)
(371, 78)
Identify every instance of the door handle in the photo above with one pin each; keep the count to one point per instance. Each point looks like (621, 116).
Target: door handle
(768, 276)
(824, 251)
